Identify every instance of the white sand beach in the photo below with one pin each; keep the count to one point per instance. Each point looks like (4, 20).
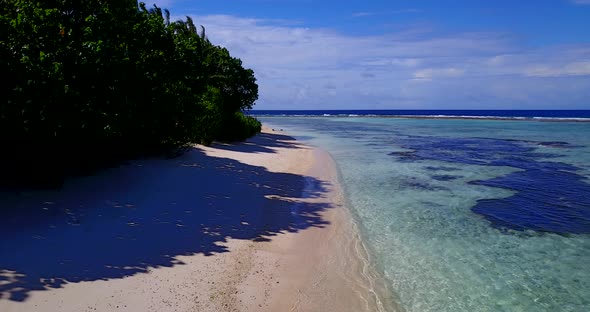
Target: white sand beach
(254, 226)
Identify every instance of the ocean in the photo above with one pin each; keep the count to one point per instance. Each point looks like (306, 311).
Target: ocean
(539, 115)
(465, 214)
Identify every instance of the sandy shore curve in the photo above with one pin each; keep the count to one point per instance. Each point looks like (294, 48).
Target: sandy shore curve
(253, 226)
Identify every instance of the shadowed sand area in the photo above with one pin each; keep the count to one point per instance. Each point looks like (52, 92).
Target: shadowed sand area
(254, 226)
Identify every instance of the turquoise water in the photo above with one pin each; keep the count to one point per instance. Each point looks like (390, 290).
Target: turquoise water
(467, 215)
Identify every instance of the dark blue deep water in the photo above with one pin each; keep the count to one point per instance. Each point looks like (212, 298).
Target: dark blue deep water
(552, 114)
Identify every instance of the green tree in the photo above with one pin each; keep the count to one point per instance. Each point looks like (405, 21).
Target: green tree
(96, 82)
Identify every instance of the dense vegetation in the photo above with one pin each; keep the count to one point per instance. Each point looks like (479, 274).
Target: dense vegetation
(87, 83)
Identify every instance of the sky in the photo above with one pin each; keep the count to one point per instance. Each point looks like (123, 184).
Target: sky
(420, 54)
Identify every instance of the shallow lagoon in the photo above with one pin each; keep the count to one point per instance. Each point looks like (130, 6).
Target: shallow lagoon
(467, 215)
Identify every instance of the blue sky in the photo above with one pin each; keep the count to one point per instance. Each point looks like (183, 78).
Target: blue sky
(421, 54)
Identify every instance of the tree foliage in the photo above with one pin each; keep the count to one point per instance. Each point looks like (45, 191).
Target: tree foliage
(93, 82)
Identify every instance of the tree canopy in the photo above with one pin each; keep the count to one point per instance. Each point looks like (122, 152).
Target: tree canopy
(94, 82)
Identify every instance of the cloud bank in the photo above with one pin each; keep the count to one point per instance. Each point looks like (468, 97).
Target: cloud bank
(310, 68)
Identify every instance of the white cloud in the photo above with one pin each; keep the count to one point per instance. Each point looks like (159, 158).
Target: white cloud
(363, 14)
(581, 2)
(294, 65)
(571, 69)
(404, 62)
(430, 73)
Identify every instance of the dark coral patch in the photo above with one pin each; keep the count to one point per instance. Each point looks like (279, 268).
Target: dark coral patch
(550, 196)
(445, 177)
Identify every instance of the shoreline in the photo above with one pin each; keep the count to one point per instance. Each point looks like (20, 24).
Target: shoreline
(252, 257)
(343, 278)
(384, 297)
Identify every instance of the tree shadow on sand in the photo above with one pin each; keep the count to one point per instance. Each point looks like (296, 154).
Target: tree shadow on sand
(127, 220)
(263, 143)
